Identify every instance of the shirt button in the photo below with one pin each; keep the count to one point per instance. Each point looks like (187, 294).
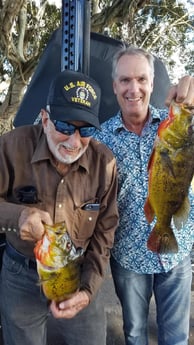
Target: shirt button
(90, 219)
(60, 205)
(62, 181)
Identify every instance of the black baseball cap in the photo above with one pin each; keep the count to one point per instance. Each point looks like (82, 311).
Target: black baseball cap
(74, 96)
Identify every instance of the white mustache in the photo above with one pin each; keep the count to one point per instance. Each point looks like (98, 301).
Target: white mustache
(67, 146)
(133, 99)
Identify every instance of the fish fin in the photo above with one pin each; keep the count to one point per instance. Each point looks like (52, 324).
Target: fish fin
(192, 184)
(41, 281)
(153, 242)
(181, 216)
(148, 210)
(167, 122)
(162, 242)
(167, 163)
(151, 159)
(52, 276)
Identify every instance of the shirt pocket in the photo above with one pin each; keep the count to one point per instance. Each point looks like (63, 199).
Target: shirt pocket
(84, 222)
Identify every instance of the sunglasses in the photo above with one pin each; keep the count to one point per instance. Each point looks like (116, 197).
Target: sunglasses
(69, 129)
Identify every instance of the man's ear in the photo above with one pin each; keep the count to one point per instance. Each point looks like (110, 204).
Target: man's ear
(114, 87)
(45, 119)
(152, 85)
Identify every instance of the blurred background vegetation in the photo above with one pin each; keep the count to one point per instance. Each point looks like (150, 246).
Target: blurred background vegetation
(165, 28)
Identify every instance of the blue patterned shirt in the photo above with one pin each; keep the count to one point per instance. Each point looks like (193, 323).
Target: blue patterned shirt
(132, 153)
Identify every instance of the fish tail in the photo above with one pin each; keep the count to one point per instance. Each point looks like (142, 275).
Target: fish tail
(161, 241)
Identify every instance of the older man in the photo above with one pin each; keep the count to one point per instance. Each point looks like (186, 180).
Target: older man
(51, 173)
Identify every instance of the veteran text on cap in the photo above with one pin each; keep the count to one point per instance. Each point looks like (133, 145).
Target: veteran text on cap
(74, 96)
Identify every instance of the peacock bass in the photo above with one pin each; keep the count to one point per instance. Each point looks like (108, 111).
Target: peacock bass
(171, 169)
(57, 263)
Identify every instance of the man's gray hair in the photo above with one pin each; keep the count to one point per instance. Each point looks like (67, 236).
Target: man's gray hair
(131, 50)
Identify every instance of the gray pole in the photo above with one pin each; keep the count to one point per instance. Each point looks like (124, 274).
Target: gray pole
(75, 45)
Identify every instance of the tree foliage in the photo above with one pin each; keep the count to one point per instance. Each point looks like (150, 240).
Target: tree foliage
(25, 29)
(163, 27)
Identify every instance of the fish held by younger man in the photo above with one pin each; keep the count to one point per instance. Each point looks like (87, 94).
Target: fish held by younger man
(171, 169)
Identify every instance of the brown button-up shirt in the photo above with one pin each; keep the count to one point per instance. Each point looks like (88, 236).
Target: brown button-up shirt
(25, 160)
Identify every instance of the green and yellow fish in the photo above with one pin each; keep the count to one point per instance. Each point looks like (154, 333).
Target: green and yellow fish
(57, 263)
(171, 169)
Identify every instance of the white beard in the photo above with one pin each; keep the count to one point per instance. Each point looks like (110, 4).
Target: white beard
(69, 159)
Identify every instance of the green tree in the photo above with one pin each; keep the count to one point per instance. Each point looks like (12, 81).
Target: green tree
(163, 27)
(25, 30)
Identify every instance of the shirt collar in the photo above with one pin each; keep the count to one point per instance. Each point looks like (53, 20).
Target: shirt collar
(154, 116)
(118, 122)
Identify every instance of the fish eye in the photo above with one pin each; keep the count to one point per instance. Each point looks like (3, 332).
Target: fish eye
(68, 245)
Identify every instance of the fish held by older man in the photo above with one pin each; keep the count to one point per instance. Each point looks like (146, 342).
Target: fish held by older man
(58, 263)
(171, 169)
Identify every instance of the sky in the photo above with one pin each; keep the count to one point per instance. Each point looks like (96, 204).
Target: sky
(189, 3)
(58, 3)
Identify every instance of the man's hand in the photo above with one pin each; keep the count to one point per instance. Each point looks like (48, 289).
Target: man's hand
(69, 308)
(31, 223)
(183, 92)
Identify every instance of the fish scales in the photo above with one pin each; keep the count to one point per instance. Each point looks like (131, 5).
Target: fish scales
(58, 263)
(170, 169)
